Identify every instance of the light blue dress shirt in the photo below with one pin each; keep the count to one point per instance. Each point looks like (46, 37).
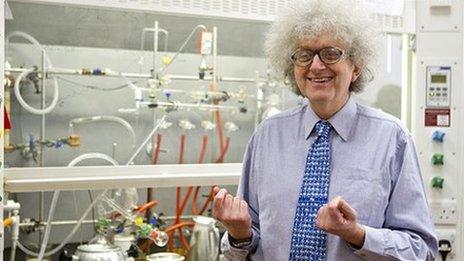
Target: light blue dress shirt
(374, 167)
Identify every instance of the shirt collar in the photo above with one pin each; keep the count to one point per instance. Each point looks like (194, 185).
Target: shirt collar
(343, 121)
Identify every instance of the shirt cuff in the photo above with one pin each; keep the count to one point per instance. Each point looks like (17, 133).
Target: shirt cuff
(375, 243)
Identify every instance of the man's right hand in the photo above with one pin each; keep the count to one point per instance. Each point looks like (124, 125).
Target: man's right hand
(232, 212)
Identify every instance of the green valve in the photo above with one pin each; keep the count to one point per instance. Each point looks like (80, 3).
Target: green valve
(145, 230)
(437, 182)
(437, 159)
(104, 223)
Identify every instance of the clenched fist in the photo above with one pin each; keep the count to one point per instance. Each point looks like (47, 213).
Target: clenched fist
(232, 212)
(339, 218)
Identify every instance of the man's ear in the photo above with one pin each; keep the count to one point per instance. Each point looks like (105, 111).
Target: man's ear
(356, 72)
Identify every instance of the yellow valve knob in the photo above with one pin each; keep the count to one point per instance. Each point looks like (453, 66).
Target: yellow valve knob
(166, 60)
(138, 221)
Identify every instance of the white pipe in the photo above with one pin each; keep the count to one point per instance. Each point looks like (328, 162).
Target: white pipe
(25, 73)
(27, 106)
(104, 118)
(56, 195)
(14, 234)
(53, 207)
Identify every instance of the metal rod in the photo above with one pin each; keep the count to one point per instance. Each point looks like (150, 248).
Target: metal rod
(73, 222)
(42, 138)
(64, 71)
(215, 69)
(42, 106)
(175, 105)
(155, 50)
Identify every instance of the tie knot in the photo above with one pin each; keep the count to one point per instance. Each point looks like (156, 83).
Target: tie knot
(323, 128)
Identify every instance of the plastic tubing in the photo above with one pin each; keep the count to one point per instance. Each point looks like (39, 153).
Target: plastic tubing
(105, 118)
(48, 227)
(200, 160)
(89, 208)
(219, 160)
(217, 117)
(25, 73)
(42, 252)
(156, 150)
(178, 189)
(13, 250)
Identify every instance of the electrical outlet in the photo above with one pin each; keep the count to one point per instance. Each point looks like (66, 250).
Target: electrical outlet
(444, 212)
(450, 235)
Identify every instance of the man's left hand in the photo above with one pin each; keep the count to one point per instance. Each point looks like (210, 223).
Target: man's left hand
(339, 218)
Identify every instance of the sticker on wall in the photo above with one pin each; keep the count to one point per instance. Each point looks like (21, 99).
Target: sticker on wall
(437, 117)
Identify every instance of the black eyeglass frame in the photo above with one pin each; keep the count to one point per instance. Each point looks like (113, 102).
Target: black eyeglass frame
(343, 55)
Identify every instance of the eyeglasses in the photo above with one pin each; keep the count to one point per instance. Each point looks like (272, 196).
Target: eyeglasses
(328, 55)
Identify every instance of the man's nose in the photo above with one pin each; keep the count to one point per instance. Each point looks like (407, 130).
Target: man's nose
(317, 64)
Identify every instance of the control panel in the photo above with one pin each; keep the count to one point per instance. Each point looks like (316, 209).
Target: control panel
(438, 86)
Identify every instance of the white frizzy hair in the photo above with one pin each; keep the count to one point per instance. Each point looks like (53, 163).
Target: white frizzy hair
(305, 20)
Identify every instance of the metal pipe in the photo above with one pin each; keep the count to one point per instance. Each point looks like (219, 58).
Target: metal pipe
(42, 138)
(176, 105)
(215, 69)
(73, 222)
(155, 50)
(42, 106)
(64, 71)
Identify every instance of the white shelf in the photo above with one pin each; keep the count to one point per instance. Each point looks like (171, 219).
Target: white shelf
(109, 177)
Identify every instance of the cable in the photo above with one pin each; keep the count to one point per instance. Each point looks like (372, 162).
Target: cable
(93, 87)
(25, 73)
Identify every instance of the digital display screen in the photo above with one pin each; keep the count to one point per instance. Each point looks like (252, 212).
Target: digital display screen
(438, 79)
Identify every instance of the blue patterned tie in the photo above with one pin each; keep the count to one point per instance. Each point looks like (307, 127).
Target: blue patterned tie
(309, 242)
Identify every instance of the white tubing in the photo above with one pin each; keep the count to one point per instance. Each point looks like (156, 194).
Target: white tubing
(13, 250)
(42, 253)
(93, 156)
(105, 118)
(66, 240)
(27, 106)
(30, 39)
(98, 198)
(56, 195)
(25, 73)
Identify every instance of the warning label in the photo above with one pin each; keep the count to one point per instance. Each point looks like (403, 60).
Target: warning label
(437, 117)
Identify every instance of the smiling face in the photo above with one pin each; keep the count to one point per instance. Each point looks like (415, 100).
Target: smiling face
(325, 85)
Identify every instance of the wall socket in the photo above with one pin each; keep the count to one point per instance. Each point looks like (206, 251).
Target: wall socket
(444, 212)
(450, 235)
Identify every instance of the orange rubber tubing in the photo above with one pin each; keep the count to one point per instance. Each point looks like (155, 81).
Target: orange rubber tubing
(200, 160)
